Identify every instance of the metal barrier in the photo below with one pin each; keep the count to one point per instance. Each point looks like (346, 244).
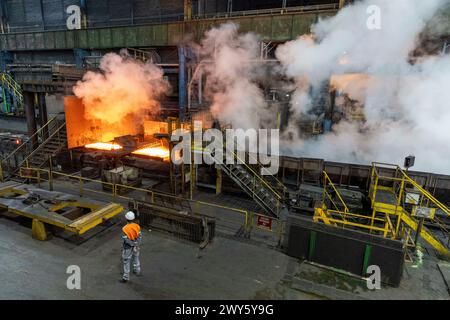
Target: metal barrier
(130, 193)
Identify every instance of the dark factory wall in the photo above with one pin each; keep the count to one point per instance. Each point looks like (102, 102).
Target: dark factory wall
(26, 15)
(120, 12)
(38, 15)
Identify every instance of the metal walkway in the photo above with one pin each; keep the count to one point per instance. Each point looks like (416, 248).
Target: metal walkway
(410, 205)
(400, 207)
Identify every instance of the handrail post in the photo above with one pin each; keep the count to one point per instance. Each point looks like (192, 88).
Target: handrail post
(50, 174)
(81, 186)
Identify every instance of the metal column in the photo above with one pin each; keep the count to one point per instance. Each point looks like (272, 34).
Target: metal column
(28, 98)
(43, 112)
(182, 81)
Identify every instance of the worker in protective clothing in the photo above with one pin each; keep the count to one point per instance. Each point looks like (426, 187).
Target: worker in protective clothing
(131, 238)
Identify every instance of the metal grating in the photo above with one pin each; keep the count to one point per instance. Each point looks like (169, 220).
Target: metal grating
(183, 226)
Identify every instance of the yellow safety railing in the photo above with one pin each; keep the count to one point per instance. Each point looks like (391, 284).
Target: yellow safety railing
(327, 182)
(400, 186)
(258, 177)
(12, 85)
(41, 175)
(386, 230)
(341, 216)
(11, 163)
(278, 183)
(254, 174)
(402, 179)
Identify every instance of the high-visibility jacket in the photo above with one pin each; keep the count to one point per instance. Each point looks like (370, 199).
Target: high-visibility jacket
(131, 236)
(132, 231)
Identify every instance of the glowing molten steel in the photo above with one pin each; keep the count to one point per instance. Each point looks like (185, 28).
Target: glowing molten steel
(159, 152)
(103, 146)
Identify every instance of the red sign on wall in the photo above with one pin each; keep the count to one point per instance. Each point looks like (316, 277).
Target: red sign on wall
(264, 222)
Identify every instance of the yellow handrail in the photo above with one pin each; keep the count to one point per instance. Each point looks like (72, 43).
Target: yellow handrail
(50, 137)
(258, 176)
(12, 85)
(414, 183)
(114, 187)
(30, 139)
(335, 190)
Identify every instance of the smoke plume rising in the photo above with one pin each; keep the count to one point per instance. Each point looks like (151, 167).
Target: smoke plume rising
(121, 94)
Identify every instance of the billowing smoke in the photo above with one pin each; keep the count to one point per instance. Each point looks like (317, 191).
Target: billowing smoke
(231, 66)
(406, 105)
(123, 88)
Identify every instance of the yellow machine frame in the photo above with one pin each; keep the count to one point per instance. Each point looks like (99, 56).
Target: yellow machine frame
(392, 205)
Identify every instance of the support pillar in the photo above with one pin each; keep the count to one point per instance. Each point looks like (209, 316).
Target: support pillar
(187, 10)
(182, 82)
(28, 99)
(43, 113)
(79, 55)
(38, 230)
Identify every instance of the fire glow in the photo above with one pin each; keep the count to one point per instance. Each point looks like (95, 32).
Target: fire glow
(158, 152)
(104, 146)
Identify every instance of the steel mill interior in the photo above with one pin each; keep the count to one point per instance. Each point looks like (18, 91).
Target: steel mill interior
(269, 150)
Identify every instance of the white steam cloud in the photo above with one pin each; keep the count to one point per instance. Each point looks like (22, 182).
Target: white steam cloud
(406, 106)
(230, 64)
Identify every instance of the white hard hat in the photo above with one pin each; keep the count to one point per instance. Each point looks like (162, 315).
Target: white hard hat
(129, 215)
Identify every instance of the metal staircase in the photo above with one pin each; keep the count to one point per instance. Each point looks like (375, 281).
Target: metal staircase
(11, 94)
(399, 196)
(37, 150)
(438, 244)
(256, 186)
(395, 200)
(50, 147)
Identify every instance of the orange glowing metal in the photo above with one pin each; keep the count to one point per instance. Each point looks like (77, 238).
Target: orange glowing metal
(159, 152)
(104, 146)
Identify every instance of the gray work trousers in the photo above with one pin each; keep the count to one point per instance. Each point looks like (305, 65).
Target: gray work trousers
(130, 255)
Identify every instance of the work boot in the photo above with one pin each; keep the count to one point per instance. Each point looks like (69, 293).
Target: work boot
(123, 280)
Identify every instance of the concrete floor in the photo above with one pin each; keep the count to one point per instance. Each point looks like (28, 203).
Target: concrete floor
(172, 269)
(229, 268)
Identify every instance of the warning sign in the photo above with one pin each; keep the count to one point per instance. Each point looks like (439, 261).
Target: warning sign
(264, 222)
